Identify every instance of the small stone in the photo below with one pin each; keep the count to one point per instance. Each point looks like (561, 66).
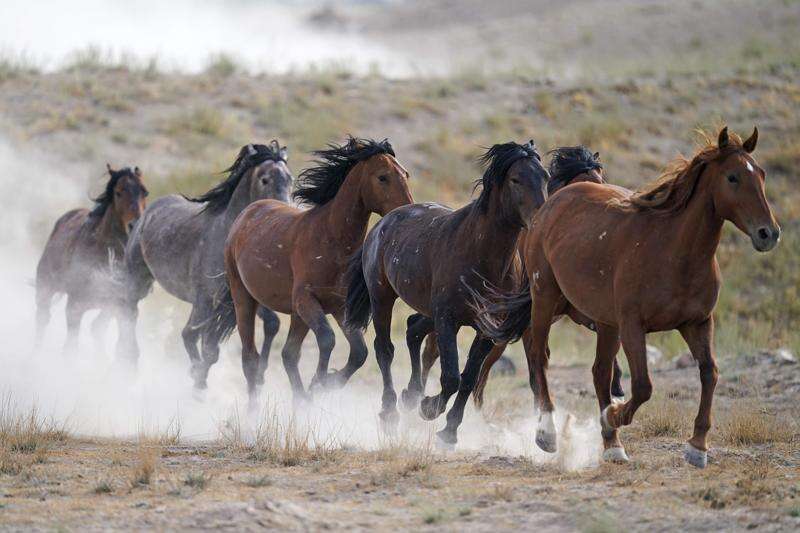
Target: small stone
(654, 355)
(505, 366)
(784, 357)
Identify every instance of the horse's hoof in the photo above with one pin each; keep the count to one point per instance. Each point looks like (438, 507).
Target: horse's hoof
(617, 400)
(199, 394)
(390, 420)
(695, 457)
(445, 442)
(615, 454)
(546, 441)
(410, 399)
(429, 408)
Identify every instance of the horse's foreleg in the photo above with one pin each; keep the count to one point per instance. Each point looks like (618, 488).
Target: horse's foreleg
(271, 325)
(417, 327)
(429, 356)
(450, 380)
(291, 356)
(100, 328)
(537, 352)
(477, 355)
(75, 309)
(617, 392)
(700, 338)
(44, 298)
(384, 353)
(209, 355)
(602, 370)
(633, 342)
(310, 310)
(190, 335)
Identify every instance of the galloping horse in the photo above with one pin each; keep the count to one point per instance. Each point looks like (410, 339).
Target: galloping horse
(636, 263)
(292, 260)
(78, 257)
(426, 254)
(180, 242)
(568, 164)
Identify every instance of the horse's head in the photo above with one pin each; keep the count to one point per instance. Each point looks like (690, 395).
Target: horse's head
(738, 190)
(127, 195)
(384, 184)
(573, 164)
(515, 173)
(271, 178)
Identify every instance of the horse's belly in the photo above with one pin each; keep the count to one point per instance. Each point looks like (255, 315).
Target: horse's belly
(268, 279)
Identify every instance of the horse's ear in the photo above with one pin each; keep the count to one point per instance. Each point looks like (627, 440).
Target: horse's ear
(137, 172)
(723, 140)
(108, 167)
(283, 153)
(596, 156)
(750, 144)
(251, 150)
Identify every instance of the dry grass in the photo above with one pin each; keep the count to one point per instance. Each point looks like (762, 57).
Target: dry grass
(25, 437)
(145, 466)
(746, 424)
(167, 436)
(197, 480)
(663, 417)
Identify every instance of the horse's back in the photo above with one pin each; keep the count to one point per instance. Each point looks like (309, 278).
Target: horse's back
(58, 249)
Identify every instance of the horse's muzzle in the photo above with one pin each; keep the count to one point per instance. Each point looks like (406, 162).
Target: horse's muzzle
(765, 238)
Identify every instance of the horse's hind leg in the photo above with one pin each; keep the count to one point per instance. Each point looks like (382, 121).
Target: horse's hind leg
(700, 338)
(446, 330)
(429, 356)
(602, 370)
(271, 325)
(495, 354)
(246, 306)
(99, 329)
(355, 359)
(44, 298)
(191, 335)
(477, 354)
(617, 392)
(417, 328)
(538, 353)
(76, 307)
(384, 353)
(310, 310)
(291, 355)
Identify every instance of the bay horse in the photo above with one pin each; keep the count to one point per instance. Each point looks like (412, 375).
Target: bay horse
(636, 263)
(79, 255)
(292, 260)
(180, 241)
(568, 164)
(425, 254)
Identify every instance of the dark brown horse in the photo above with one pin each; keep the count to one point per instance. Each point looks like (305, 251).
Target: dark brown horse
(636, 263)
(426, 254)
(180, 243)
(291, 260)
(79, 255)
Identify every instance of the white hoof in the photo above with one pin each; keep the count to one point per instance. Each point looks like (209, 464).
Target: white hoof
(546, 433)
(617, 400)
(615, 455)
(695, 457)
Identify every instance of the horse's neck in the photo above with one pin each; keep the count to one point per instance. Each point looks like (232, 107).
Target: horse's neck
(493, 237)
(109, 231)
(239, 200)
(697, 229)
(346, 215)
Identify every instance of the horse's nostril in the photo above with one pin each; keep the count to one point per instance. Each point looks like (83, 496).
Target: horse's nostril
(763, 233)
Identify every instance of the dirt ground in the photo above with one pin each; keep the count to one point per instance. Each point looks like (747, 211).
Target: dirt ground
(752, 480)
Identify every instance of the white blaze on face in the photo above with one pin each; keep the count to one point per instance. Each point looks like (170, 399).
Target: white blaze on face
(750, 167)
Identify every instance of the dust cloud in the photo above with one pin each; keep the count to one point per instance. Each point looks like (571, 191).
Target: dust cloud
(93, 396)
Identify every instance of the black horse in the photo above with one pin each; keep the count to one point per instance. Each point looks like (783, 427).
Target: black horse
(427, 254)
(180, 241)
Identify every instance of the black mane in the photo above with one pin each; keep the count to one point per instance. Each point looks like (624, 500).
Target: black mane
(568, 162)
(250, 156)
(319, 184)
(107, 197)
(497, 160)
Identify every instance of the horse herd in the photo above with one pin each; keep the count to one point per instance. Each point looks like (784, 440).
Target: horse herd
(536, 244)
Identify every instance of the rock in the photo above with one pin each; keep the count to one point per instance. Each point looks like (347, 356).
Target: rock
(685, 360)
(505, 366)
(784, 356)
(654, 355)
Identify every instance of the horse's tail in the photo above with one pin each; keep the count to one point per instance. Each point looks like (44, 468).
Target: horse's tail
(222, 321)
(502, 316)
(358, 310)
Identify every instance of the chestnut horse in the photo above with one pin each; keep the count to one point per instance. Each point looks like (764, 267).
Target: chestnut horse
(568, 164)
(78, 257)
(292, 260)
(651, 267)
(426, 254)
(180, 241)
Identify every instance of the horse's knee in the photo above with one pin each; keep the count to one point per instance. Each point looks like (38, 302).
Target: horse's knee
(359, 353)
(189, 335)
(642, 391)
(326, 340)
(450, 384)
(709, 373)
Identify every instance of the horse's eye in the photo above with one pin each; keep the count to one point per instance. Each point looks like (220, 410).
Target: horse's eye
(732, 178)
(263, 181)
(515, 181)
(117, 194)
(383, 177)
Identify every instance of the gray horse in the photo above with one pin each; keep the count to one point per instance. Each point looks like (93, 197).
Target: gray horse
(179, 242)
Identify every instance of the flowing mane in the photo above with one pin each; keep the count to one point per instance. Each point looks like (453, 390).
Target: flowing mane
(107, 197)
(250, 156)
(319, 184)
(569, 161)
(497, 160)
(672, 191)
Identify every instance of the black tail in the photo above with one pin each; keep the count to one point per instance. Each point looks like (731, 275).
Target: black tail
(502, 316)
(222, 320)
(358, 310)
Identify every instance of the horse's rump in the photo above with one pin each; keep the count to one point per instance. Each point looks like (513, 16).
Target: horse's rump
(57, 254)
